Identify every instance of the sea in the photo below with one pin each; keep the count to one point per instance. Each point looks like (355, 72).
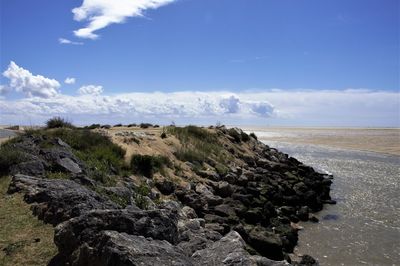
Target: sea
(363, 228)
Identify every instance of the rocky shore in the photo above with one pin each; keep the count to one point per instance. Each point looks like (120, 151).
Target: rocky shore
(244, 212)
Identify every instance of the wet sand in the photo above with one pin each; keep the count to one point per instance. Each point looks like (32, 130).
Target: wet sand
(380, 140)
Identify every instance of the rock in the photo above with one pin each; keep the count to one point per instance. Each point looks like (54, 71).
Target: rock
(224, 210)
(313, 219)
(121, 249)
(187, 213)
(224, 189)
(165, 187)
(216, 227)
(303, 213)
(230, 250)
(85, 229)
(34, 168)
(288, 236)
(266, 243)
(254, 216)
(212, 175)
(307, 260)
(69, 165)
(58, 200)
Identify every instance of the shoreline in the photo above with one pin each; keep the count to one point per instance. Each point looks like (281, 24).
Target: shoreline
(381, 141)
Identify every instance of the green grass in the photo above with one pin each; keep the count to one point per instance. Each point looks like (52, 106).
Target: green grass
(9, 156)
(58, 122)
(198, 145)
(24, 240)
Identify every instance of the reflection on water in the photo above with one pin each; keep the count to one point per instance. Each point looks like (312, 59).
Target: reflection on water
(363, 228)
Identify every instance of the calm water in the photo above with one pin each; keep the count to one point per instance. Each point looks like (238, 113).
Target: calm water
(363, 228)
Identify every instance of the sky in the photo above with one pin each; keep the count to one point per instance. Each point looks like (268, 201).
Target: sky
(244, 62)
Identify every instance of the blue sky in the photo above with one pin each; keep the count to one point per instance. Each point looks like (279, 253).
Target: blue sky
(256, 51)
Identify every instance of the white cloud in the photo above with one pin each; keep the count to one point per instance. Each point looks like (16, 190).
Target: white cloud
(66, 41)
(273, 107)
(21, 80)
(101, 13)
(69, 80)
(4, 89)
(90, 90)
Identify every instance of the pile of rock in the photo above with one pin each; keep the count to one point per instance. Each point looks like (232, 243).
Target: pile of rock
(242, 217)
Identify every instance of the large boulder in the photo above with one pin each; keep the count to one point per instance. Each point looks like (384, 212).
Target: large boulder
(87, 228)
(121, 249)
(230, 250)
(57, 200)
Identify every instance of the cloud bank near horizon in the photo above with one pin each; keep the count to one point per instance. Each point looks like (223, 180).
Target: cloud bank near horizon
(43, 99)
(100, 13)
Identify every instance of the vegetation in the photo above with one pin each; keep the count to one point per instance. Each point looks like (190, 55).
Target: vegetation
(58, 122)
(238, 136)
(24, 240)
(9, 157)
(145, 125)
(103, 157)
(253, 135)
(147, 165)
(198, 145)
(93, 126)
(141, 196)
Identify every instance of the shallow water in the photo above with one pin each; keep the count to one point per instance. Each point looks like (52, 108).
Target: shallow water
(363, 228)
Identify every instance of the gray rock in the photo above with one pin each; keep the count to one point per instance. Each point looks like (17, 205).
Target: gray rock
(69, 165)
(230, 250)
(35, 168)
(58, 200)
(224, 189)
(121, 249)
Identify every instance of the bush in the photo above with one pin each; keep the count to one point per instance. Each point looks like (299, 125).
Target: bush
(253, 136)
(106, 126)
(94, 126)
(9, 157)
(58, 122)
(118, 125)
(145, 125)
(163, 135)
(132, 125)
(235, 135)
(140, 198)
(198, 144)
(147, 165)
(244, 137)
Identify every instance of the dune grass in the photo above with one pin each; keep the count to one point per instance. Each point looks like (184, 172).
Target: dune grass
(24, 240)
(199, 145)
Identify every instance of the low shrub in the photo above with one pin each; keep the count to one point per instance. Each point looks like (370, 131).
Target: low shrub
(141, 196)
(9, 157)
(106, 126)
(58, 122)
(145, 125)
(147, 165)
(94, 126)
(132, 125)
(253, 135)
(118, 125)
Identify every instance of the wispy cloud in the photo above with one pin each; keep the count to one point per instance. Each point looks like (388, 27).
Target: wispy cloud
(100, 13)
(21, 80)
(248, 59)
(70, 81)
(66, 41)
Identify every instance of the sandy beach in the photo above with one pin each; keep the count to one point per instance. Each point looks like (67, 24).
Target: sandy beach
(380, 140)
